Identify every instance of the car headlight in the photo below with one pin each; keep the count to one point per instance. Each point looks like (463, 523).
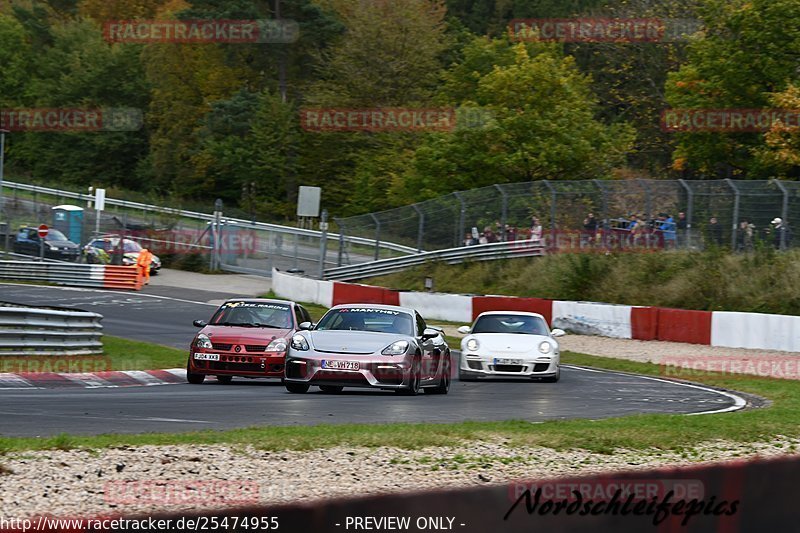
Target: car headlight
(299, 343)
(202, 341)
(277, 345)
(473, 345)
(396, 348)
(545, 347)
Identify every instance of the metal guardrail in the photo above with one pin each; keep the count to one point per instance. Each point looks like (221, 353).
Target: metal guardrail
(208, 217)
(26, 331)
(479, 252)
(75, 274)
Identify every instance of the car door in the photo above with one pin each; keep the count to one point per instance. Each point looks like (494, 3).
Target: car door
(430, 360)
(30, 245)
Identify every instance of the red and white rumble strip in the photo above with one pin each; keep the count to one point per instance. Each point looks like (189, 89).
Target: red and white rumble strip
(93, 380)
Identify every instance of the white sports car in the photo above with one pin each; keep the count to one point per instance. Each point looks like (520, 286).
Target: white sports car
(510, 344)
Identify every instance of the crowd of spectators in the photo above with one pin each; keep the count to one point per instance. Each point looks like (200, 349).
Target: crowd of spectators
(637, 230)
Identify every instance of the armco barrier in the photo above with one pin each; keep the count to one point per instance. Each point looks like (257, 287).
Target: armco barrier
(350, 293)
(481, 304)
(72, 274)
(679, 325)
(40, 331)
(737, 496)
(755, 330)
(452, 307)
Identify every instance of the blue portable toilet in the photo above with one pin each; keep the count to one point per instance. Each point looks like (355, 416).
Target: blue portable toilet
(68, 219)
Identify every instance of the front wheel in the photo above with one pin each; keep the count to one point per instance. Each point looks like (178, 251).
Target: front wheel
(191, 377)
(297, 388)
(444, 384)
(412, 389)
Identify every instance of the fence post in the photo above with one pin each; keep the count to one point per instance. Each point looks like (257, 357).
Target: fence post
(735, 212)
(689, 211)
(377, 236)
(323, 242)
(504, 212)
(554, 199)
(421, 228)
(604, 210)
(784, 209)
(215, 233)
(461, 218)
(341, 240)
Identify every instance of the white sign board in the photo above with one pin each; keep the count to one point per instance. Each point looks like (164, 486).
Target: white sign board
(308, 201)
(100, 199)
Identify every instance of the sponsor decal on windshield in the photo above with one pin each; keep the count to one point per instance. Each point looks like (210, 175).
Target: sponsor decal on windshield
(280, 307)
(368, 310)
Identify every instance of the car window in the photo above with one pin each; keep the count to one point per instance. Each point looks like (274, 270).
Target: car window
(367, 319)
(420, 325)
(302, 314)
(522, 324)
(254, 314)
(55, 235)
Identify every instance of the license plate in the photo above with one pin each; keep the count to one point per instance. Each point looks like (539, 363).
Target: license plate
(206, 356)
(508, 361)
(340, 365)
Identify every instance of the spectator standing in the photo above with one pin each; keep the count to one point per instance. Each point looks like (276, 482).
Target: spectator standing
(536, 230)
(714, 232)
(783, 235)
(590, 228)
(667, 228)
(681, 225)
(469, 240)
(489, 234)
(744, 237)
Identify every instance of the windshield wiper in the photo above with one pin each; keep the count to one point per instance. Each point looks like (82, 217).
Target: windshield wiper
(238, 324)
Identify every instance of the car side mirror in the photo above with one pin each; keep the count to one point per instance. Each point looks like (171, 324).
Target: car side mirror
(200, 323)
(558, 333)
(430, 333)
(305, 325)
(464, 330)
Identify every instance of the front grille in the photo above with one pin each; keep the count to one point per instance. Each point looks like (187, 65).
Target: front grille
(347, 377)
(255, 347)
(508, 368)
(295, 371)
(475, 365)
(541, 367)
(222, 347)
(246, 367)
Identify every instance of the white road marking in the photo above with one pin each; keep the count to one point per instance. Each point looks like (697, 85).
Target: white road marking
(81, 289)
(179, 420)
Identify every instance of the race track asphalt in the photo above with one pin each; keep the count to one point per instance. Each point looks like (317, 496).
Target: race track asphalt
(581, 393)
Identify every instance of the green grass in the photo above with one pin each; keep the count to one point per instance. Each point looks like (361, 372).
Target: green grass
(763, 281)
(660, 432)
(118, 354)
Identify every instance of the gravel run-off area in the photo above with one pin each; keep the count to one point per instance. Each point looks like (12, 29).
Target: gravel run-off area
(126, 480)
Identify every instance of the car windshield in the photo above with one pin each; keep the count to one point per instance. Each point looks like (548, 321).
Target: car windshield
(367, 319)
(132, 247)
(55, 235)
(522, 324)
(253, 314)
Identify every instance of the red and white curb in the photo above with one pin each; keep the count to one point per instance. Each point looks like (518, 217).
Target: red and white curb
(94, 380)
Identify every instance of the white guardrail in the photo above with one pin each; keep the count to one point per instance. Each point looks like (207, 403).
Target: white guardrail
(207, 217)
(480, 252)
(26, 331)
(75, 274)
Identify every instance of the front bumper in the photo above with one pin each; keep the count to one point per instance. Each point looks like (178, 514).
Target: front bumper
(266, 365)
(375, 371)
(476, 365)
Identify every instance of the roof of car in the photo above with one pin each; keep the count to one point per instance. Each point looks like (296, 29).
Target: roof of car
(375, 306)
(523, 313)
(260, 300)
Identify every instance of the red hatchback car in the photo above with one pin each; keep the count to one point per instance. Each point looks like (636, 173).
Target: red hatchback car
(245, 337)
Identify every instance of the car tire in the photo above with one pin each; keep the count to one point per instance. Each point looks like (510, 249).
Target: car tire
(413, 388)
(331, 389)
(296, 388)
(225, 379)
(553, 379)
(444, 384)
(193, 378)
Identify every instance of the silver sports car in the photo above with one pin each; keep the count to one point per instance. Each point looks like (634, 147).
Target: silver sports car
(367, 345)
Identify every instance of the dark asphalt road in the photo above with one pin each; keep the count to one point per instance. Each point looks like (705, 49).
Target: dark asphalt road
(581, 393)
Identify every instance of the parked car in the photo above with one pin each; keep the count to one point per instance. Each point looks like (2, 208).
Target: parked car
(366, 345)
(245, 337)
(56, 244)
(510, 344)
(110, 245)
